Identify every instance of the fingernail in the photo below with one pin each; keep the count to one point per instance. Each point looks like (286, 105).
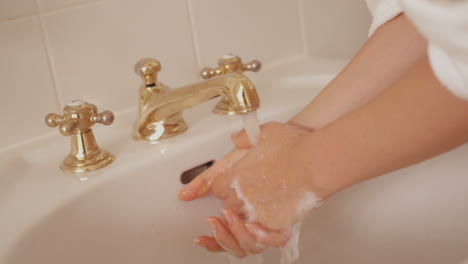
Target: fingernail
(255, 231)
(212, 224)
(228, 216)
(196, 240)
(185, 190)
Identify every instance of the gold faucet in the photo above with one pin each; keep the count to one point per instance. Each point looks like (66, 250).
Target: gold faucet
(229, 64)
(160, 111)
(77, 119)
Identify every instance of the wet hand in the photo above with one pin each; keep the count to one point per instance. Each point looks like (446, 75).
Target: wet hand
(270, 178)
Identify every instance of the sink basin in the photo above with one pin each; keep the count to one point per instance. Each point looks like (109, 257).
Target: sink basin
(129, 213)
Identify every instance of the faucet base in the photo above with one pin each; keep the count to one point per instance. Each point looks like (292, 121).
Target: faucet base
(172, 126)
(93, 162)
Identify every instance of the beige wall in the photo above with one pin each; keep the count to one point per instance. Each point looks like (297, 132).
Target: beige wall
(53, 51)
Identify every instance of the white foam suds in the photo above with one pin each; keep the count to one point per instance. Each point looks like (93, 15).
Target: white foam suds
(251, 215)
(309, 201)
(290, 252)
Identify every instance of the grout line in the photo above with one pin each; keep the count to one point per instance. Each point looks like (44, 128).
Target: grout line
(48, 11)
(18, 18)
(302, 25)
(48, 51)
(196, 47)
(70, 6)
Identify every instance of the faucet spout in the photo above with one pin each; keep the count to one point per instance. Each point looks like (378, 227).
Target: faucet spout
(161, 108)
(236, 88)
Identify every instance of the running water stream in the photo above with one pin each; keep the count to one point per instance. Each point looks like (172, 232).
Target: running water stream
(252, 127)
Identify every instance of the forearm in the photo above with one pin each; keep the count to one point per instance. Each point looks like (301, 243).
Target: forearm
(389, 53)
(415, 119)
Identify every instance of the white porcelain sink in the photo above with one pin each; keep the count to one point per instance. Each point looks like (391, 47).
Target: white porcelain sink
(129, 213)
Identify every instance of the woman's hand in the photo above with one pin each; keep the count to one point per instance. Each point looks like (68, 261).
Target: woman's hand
(272, 183)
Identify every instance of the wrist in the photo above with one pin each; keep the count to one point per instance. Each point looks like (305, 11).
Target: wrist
(301, 120)
(312, 117)
(324, 170)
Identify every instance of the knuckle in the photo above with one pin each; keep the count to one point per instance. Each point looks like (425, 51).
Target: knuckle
(202, 181)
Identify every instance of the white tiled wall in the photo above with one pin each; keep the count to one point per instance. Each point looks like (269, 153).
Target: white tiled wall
(94, 47)
(27, 90)
(48, 5)
(53, 51)
(335, 28)
(12, 9)
(268, 29)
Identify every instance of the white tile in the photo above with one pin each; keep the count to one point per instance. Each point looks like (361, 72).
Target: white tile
(26, 90)
(263, 29)
(94, 48)
(11, 9)
(56, 4)
(335, 28)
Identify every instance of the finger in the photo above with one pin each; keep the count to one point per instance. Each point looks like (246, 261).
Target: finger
(200, 186)
(240, 139)
(246, 240)
(209, 243)
(267, 237)
(224, 237)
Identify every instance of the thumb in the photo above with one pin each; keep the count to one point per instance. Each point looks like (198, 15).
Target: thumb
(201, 185)
(240, 139)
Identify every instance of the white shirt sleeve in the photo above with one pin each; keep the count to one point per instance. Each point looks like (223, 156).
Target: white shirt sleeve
(382, 11)
(444, 23)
